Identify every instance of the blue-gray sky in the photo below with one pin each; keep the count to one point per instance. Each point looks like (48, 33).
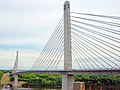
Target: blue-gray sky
(26, 25)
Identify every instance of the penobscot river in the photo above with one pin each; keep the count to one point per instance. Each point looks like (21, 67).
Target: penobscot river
(103, 88)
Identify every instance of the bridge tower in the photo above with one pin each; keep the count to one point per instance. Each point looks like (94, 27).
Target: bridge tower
(15, 70)
(67, 79)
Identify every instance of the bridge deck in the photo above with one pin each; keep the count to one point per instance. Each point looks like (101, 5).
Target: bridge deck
(113, 72)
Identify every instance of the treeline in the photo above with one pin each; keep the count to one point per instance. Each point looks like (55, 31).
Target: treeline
(4, 71)
(37, 80)
(99, 80)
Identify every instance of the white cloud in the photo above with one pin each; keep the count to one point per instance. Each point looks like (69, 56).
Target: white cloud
(33, 41)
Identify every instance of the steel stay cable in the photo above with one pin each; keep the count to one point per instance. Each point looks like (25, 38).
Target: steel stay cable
(86, 52)
(52, 35)
(49, 47)
(55, 53)
(105, 16)
(98, 33)
(94, 53)
(55, 67)
(91, 43)
(79, 55)
(58, 62)
(102, 48)
(104, 52)
(48, 52)
(73, 53)
(53, 32)
(99, 21)
(59, 58)
(52, 61)
(50, 38)
(99, 27)
(98, 39)
(77, 61)
(83, 56)
(52, 50)
(87, 46)
(97, 52)
(91, 52)
(43, 57)
(59, 55)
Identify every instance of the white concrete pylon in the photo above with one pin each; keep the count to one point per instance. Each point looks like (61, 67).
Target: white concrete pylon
(15, 70)
(16, 63)
(67, 80)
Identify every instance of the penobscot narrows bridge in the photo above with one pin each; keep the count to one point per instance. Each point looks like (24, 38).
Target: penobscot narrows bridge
(89, 42)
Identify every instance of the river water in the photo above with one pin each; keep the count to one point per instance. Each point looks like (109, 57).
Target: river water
(97, 88)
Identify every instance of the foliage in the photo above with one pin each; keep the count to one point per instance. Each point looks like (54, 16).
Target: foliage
(99, 80)
(6, 71)
(11, 78)
(1, 74)
(36, 80)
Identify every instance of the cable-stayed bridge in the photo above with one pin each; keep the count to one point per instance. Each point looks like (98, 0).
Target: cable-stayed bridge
(80, 44)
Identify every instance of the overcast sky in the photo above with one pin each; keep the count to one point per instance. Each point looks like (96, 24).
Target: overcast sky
(26, 25)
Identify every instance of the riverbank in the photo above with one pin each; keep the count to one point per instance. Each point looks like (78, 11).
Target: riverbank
(52, 88)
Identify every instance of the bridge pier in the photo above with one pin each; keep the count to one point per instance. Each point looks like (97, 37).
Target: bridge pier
(15, 80)
(67, 81)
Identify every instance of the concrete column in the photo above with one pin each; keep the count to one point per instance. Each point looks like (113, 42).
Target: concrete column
(16, 80)
(67, 80)
(64, 82)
